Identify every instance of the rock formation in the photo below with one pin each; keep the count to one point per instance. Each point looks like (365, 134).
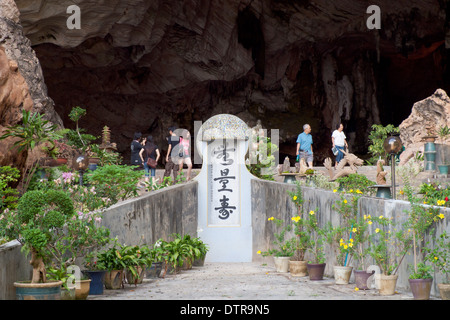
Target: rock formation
(14, 97)
(426, 115)
(140, 65)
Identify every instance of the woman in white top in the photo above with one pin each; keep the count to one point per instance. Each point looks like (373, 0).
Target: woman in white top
(339, 141)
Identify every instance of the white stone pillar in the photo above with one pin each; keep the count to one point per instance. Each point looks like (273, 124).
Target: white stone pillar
(224, 195)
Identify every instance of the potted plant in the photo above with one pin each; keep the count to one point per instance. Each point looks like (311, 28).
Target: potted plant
(203, 248)
(316, 264)
(301, 239)
(190, 252)
(95, 271)
(361, 235)
(114, 265)
(60, 274)
(157, 253)
(443, 133)
(439, 256)
(420, 218)
(37, 223)
(136, 259)
(420, 281)
(283, 250)
(388, 246)
(341, 238)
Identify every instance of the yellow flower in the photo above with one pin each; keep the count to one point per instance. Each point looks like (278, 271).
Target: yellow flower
(350, 244)
(354, 230)
(356, 289)
(351, 190)
(441, 216)
(259, 252)
(369, 222)
(342, 240)
(425, 202)
(311, 212)
(435, 258)
(295, 198)
(345, 246)
(296, 219)
(345, 200)
(334, 190)
(440, 202)
(377, 230)
(365, 217)
(380, 217)
(351, 240)
(271, 218)
(358, 191)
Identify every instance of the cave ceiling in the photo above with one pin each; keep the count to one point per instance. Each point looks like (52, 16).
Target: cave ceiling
(140, 65)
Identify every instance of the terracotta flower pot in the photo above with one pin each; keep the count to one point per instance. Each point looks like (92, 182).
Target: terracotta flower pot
(282, 264)
(342, 274)
(361, 278)
(83, 292)
(131, 279)
(316, 271)
(420, 288)
(387, 284)
(298, 268)
(113, 279)
(444, 290)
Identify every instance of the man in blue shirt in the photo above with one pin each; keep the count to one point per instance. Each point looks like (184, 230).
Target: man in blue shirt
(304, 145)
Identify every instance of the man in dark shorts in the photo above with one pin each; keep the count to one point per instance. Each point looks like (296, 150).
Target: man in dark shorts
(173, 141)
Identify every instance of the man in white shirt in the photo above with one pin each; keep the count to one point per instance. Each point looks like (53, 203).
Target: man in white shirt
(339, 141)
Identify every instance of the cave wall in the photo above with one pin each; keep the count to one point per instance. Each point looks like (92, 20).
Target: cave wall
(145, 65)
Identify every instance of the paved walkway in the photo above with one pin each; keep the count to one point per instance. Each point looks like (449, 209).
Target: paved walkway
(241, 281)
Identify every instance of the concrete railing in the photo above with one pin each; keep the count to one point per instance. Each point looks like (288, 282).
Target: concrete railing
(272, 199)
(155, 215)
(14, 266)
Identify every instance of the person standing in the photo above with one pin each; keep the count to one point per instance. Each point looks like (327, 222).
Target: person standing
(173, 141)
(339, 141)
(185, 153)
(136, 147)
(304, 146)
(150, 150)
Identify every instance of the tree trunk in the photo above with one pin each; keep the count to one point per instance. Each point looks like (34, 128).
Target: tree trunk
(39, 274)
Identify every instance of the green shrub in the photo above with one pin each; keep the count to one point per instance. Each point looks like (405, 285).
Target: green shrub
(356, 181)
(116, 182)
(8, 195)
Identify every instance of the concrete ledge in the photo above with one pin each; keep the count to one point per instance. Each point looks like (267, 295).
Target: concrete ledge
(14, 266)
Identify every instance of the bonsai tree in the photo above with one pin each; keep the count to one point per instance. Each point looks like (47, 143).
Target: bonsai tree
(38, 223)
(78, 138)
